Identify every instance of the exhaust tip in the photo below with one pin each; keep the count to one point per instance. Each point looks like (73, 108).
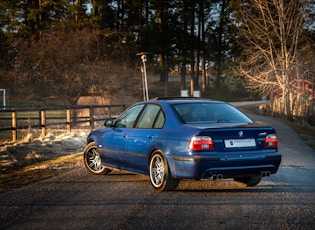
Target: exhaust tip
(267, 173)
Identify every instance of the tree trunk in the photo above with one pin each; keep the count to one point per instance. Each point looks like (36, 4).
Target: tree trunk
(192, 57)
(219, 54)
(286, 100)
(183, 76)
(203, 49)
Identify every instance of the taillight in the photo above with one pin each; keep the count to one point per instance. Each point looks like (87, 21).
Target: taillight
(201, 143)
(271, 141)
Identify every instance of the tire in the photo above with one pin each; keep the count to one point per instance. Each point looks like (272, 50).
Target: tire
(249, 180)
(92, 160)
(160, 176)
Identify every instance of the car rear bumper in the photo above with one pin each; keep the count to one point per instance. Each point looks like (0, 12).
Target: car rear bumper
(198, 167)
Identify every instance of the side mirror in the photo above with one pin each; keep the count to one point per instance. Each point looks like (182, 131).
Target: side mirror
(108, 123)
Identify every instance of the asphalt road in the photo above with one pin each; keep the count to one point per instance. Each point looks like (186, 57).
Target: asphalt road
(120, 200)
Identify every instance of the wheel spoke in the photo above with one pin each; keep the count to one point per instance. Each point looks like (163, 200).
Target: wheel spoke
(156, 176)
(158, 163)
(91, 164)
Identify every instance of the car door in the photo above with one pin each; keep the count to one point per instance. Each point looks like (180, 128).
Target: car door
(141, 138)
(115, 142)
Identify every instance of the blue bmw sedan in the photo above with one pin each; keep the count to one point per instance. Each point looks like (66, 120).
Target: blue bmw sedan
(171, 139)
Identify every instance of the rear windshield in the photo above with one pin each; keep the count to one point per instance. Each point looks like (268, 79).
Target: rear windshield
(210, 113)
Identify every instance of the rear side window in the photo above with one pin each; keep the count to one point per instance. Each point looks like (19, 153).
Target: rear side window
(210, 113)
(151, 117)
(160, 119)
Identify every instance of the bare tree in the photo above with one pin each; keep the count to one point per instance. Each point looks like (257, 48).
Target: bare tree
(69, 65)
(270, 31)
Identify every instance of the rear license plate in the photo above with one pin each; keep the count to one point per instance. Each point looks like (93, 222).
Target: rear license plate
(236, 143)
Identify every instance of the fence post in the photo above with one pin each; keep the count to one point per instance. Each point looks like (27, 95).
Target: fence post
(109, 112)
(14, 130)
(68, 120)
(91, 118)
(313, 91)
(43, 122)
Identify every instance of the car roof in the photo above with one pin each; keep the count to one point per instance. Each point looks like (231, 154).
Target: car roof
(179, 100)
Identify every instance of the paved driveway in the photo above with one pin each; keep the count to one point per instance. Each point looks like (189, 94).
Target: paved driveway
(120, 200)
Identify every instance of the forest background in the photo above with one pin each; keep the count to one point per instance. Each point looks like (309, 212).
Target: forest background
(66, 49)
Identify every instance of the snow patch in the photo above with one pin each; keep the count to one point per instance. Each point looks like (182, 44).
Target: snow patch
(29, 151)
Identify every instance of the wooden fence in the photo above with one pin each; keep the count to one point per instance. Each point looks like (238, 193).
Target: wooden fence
(20, 118)
(305, 86)
(302, 98)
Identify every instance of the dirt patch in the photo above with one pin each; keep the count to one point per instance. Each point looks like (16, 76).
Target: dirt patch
(39, 171)
(26, 162)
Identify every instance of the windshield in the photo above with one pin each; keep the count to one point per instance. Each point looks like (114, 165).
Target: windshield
(204, 112)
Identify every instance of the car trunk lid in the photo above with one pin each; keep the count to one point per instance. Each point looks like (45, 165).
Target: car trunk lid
(229, 138)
